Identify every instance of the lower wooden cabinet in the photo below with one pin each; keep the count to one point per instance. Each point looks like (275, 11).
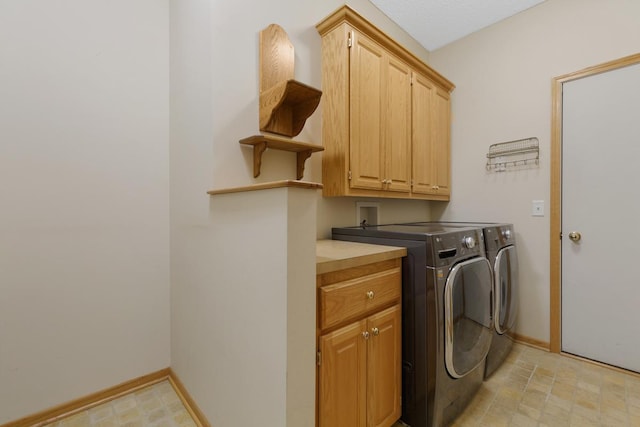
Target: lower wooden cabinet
(384, 364)
(343, 377)
(360, 361)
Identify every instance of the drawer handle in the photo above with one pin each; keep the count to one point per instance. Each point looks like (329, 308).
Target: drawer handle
(365, 335)
(370, 294)
(375, 332)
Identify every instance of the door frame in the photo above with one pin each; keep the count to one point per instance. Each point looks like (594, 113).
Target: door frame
(555, 237)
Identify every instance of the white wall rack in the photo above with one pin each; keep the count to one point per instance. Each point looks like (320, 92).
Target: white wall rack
(511, 154)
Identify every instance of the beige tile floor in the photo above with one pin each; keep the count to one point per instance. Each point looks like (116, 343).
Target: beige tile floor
(155, 406)
(537, 388)
(531, 388)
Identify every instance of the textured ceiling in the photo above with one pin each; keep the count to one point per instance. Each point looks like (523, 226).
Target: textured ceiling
(435, 23)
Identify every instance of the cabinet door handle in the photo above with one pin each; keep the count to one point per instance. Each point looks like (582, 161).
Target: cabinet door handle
(375, 332)
(370, 294)
(365, 335)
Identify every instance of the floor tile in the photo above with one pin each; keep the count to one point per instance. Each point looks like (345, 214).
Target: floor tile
(534, 388)
(155, 406)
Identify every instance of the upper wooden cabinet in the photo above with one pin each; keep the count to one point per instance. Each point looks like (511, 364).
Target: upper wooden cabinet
(386, 115)
(431, 146)
(380, 128)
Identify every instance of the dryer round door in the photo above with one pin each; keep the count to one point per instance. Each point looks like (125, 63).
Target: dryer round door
(467, 313)
(506, 292)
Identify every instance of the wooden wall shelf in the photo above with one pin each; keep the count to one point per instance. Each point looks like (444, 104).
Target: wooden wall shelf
(261, 142)
(285, 104)
(285, 107)
(267, 186)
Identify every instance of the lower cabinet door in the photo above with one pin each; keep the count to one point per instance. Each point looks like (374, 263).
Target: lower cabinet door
(342, 377)
(384, 368)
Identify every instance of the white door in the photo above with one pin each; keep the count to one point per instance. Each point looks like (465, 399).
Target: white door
(601, 201)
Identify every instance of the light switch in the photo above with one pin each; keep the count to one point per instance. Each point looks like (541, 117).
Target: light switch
(537, 208)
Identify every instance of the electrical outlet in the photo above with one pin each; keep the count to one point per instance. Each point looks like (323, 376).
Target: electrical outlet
(537, 208)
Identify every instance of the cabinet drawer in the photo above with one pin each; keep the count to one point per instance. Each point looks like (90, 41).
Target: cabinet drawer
(352, 298)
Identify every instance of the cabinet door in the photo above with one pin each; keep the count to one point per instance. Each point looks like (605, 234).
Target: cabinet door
(342, 377)
(422, 139)
(442, 141)
(397, 126)
(366, 80)
(384, 368)
(431, 122)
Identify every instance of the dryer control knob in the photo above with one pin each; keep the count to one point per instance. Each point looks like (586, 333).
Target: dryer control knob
(506, 234)
(469, 242)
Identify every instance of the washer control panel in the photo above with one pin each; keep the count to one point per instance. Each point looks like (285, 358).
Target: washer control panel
(451, 246)
(469, 242)
(499, 236)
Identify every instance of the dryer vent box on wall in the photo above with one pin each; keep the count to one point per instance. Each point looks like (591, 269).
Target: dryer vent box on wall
(368, 212)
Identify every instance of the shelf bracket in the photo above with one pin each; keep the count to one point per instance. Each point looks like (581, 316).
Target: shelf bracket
(302, 157)
(258, 150)
(260, 143)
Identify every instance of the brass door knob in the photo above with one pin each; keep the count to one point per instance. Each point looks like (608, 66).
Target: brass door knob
(575, 236)
(375, 331)
(370, 294)
(365, 335)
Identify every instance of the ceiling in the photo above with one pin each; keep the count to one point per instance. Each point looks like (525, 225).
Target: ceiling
(435, 23)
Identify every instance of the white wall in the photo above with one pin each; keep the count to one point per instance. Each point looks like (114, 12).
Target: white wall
(239, 303)
(214, 103)
(84, 243)
(503, 76)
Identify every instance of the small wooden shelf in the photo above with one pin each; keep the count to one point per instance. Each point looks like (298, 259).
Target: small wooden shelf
(285, 107)
(267, 186)
(285, 104)
(261, 142)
